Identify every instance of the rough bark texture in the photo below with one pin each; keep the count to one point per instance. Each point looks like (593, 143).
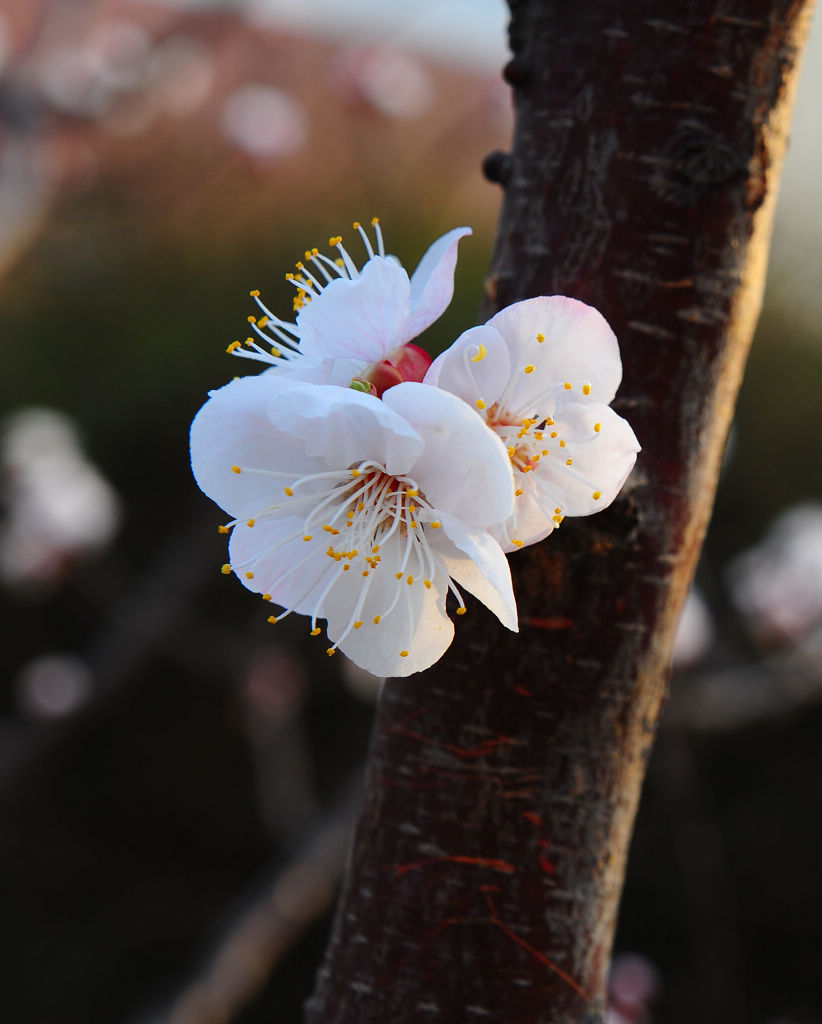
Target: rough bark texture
(489, 852)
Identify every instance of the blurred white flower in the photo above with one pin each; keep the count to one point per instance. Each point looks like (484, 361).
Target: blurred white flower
(58, 506)
(53, 685)
(777, 585)
(391, 82)
(695, 631)
(264, 122)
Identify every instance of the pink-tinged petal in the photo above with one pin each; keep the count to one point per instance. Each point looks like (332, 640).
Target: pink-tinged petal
(344, 427)
(432, 283)
(578, 348)
(476, 367)
(477, 563)
(319, 371)
(600, 462)
(233, 432)
(464, 469)
(417, 623)
(360, 319)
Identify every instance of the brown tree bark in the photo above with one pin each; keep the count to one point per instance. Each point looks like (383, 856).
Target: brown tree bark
(489, 852)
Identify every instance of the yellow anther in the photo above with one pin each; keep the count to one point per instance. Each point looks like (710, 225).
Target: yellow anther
(276, 353)
(349, 514)
(398, 575)
(403, 654)
(299, 265)
(597, 427)
(249, 341)
(289, 492)
(356, 225)
(548, 421)
(308, 536)
(546, 451)
(236, 469)
(538, 435)
(480, 403)
(335, 240)
(562, 444)
(252, 319)
(558, 519)
(330, 651)
(412, 492)
(427, 584)
(511, 451)
(251, 522)
(272, 619)
(567, 386)
(234, 346)
(436, 524)
(482, 352)
(586, 389)
(255, 294)
(569, 462)
(376, 548)
(530, 368)
(355, 472)
(518, 543)
(557, 510)
(518, 491)
(540, 338)
(554, 433)
(225, 569)
(266, 597)
(410, 580)
(223, 529)
(365, 572)
(249, 575)
(361, 506)
(461, 610)
(289, 277)
(357, 625)
(346, 567)
(414, 523)
(262, 321)
(597, 495)
(377, 619)
(374, 221)
(316, 631)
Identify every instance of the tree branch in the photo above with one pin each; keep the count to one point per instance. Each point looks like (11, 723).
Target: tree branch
(489, 853)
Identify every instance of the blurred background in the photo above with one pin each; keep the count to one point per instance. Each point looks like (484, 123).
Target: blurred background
(177, 777)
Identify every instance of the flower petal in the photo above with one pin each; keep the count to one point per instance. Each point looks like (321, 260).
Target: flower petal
(417, 623)
(600, 463)
(475, 368)
(360, 319)
(344, 427)
(432, 283)
(464, 469)
(476, 561)
(233, 430)
(579, 347)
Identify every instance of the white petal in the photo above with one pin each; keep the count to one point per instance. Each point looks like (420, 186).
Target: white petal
(432, 283)
(233, 429)
(464, 469)
(360, 319)
(533, 522)
(476, 367)
(294, 572)
(476, 561)
(579, 348)
(343, 426)
(601, 462)
(417, 624)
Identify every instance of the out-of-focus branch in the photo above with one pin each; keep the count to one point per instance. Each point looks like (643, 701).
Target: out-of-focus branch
(268, 926)
(489, 854)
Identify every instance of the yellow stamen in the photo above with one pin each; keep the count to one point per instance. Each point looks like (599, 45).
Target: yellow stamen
(225, 569)
(403, 654)
(462, 610)
(597, 427)
(597, 495)
(480, 403)
(482, 352)
(272, 619)
(357, 625)
(530, 368)
(377, 619)
(540, 338)
(255, 294)
(289, 492)
(249, 575)
(316, 631)
(223, 529)
(586, 389)
(567, 386)
(236, 469)
(435, 525)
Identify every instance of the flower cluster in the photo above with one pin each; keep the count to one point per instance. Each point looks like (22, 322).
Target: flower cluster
(365, 482)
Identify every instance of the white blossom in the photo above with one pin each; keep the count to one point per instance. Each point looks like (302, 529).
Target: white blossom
(542, 373)
(351, 320)
(360, 511)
